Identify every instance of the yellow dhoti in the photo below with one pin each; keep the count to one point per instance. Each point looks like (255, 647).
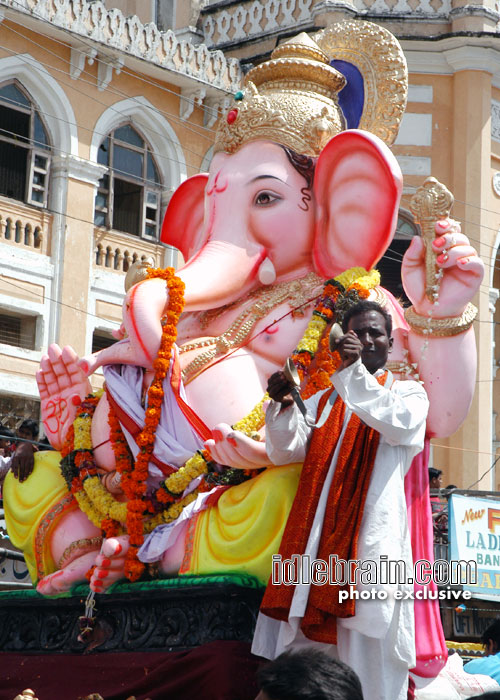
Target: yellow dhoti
(32, 508)
(244, 529)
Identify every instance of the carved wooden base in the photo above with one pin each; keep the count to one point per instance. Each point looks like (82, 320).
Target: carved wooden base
(144, 617)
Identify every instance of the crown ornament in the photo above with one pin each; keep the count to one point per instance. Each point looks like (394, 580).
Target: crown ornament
(290, 99)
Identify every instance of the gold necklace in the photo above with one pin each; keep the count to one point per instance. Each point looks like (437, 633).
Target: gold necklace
(295, 292)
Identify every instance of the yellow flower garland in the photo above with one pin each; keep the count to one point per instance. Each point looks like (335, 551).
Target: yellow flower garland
(177, 482)
(103, 501)
(87, 507)
(255, 420)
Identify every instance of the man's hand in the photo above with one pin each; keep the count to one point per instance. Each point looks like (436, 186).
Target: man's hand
(349, 348)
(279, 387)
(22, 461)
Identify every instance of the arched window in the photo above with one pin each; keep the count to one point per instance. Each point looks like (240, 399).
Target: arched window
(128, 197)
(24, 147)
(390, 265)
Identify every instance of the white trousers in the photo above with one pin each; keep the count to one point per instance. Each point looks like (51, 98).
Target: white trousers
(383, 675)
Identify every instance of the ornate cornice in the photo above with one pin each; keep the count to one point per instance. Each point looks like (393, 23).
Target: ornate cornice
(116, 35)
(149, 616)
(452, 54)
(475, 11)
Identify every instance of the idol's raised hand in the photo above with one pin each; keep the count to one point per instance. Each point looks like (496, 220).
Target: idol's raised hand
(463, 271)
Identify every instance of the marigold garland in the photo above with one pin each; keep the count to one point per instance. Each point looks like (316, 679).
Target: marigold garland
(134, 487)
(312, 357)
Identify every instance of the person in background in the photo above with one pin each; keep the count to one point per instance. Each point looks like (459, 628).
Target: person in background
(44, 445)
(28, 430)
(308, 674)
(489, 664)
(6, 437)
(439, 510)
(435, 480)
(21, 460)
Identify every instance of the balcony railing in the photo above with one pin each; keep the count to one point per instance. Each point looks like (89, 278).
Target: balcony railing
(116, 252)
(243, 20)
(25, 227)
(233, 22)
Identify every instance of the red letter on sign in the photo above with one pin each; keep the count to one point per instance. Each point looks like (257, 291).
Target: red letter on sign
(493, 518)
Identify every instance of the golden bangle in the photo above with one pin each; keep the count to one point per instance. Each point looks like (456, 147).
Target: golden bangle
(441, 327)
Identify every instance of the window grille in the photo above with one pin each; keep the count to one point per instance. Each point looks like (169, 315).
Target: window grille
(19, 331)
(128, 195)
(24, 148)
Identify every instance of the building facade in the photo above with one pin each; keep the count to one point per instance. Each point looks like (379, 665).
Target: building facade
(117, 110)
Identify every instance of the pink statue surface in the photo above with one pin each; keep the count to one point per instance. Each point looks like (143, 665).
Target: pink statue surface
(261, 233)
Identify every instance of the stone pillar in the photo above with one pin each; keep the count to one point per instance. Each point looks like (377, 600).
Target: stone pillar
(186, 20)
(57, 203)
(481, 16)
(74, 256)
(471, 180)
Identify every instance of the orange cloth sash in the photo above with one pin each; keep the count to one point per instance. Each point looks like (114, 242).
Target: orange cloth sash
(342, 521)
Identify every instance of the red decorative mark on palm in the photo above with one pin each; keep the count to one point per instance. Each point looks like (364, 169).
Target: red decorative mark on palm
(62, 385)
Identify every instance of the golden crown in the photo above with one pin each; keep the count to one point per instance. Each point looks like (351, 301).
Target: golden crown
(290, 99)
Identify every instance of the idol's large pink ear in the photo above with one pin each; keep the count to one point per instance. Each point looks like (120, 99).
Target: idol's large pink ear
(183, 223)
(357, 186)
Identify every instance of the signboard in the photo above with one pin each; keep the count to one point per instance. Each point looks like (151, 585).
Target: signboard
(474, 535)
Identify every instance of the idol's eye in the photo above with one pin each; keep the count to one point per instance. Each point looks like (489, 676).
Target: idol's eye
(265, 198)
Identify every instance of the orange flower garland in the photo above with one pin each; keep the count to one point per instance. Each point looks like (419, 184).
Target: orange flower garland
(325, 364)
(134, 481)
(320, 366)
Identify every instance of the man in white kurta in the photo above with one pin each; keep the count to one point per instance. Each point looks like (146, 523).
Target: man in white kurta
(378, 642)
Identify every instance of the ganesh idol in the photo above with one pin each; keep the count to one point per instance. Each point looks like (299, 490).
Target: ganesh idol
(168, 465)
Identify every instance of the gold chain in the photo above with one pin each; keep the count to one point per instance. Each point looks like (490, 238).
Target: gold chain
(295, 292)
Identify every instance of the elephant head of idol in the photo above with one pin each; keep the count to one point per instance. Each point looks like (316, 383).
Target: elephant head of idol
(289, 190)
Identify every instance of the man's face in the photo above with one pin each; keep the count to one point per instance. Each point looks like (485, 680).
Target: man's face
(25, 434)
(490, 648)
(370, 328)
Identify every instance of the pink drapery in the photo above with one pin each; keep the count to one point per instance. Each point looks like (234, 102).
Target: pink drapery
(429, 636)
